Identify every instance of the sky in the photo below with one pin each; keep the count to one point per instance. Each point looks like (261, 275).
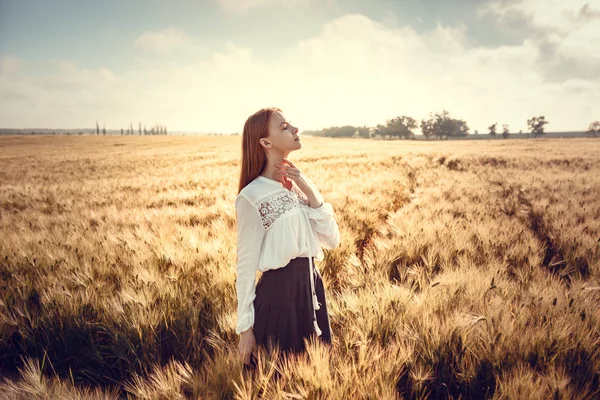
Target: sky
(205, 66)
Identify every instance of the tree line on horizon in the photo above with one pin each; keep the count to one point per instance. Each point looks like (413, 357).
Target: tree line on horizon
(154, 130)
(439, 125)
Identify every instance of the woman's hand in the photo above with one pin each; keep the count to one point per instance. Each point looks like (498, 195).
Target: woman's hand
(246, 346)
(288, 173)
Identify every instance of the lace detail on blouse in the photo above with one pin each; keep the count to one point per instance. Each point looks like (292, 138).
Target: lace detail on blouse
(273, 207)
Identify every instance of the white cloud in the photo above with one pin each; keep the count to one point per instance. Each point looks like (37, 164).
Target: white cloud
(355, 71)
(9, 64)
(583, 43)
(240, 6)
(164, 41)
(66, 95)
(553, 15)
(569, 30)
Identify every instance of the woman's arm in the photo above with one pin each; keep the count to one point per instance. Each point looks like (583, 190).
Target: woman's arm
(320, 213)
(322, 218)
(250, 232)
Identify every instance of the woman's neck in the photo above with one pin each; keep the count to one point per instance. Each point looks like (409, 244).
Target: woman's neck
(270, 170)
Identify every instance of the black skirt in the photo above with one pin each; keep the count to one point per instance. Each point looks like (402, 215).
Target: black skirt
(283, 307)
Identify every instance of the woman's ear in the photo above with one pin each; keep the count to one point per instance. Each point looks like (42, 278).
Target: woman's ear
(264, 143)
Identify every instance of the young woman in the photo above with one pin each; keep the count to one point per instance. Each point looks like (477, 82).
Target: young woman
(282, 223)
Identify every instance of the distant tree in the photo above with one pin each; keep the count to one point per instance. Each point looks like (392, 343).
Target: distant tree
(131, 127)
(380, 130)
(332, 131)
(505, 131)
(401, 127)
(536, 125)
(103, 129)
(444, 125)
(594, 129)
(427, 128)
(492, 129)
(140, 127)
(121, 130)
(476, 132)
(344, 131)
(97, 128)
(363, 131)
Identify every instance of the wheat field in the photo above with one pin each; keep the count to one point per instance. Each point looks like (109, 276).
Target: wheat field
(466, 269)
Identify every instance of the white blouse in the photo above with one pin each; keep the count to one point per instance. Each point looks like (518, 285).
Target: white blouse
(275, 225)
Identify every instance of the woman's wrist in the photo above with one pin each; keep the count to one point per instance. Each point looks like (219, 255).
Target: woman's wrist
(246, 331)
(313, 200)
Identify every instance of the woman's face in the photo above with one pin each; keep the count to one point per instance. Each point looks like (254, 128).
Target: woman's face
(283, 136)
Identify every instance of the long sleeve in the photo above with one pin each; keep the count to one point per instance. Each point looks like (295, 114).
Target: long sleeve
(323, 219)
(250, 233)
(325, 224)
